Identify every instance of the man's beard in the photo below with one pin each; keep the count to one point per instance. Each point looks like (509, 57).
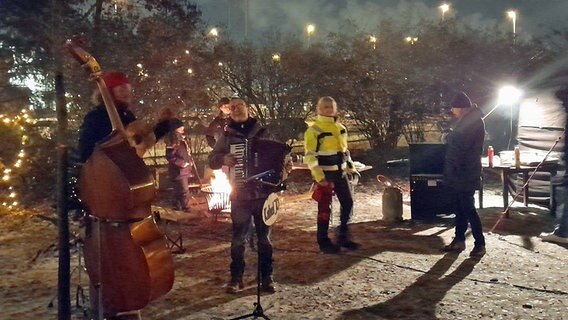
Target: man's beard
(239, 117)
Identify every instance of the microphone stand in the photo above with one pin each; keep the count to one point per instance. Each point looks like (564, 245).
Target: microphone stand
(258, 311)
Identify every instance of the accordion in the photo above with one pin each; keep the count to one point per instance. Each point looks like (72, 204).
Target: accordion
(258, 160)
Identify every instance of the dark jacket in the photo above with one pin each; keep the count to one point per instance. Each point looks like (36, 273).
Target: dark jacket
(216, 129)
(234, 133)
(162, 128)
(462, 167)
(96, 126)
(180, 161)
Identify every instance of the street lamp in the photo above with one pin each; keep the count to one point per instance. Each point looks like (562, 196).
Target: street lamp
(411, 40)
(276, 57)
(444, 8)
(512, 14)
(310, 29)
(214, 32)
(373, 41)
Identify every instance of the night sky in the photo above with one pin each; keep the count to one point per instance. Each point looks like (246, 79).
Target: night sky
(535, 17)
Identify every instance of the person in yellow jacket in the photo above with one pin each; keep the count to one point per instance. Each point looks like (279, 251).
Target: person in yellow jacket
(327, 156)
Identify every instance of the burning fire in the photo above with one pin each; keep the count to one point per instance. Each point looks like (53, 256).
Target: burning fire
(221, 189)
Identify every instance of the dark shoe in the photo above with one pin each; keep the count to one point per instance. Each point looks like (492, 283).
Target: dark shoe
(455, 246)
(328, 247)
(348, 244)
(268, 285)
(235, 285)
(477, 251)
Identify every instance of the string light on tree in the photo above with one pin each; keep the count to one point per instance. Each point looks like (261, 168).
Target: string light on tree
(18, 122)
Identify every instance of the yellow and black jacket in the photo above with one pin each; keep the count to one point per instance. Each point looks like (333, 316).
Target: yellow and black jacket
(325, 145)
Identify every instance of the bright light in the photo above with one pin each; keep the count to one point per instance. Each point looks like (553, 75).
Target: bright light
(190, 71)
(310, 29)
(512, 14)
(372, 39)
(444, 7)
(411, 40)
(276, 57)
(509, 95)
(214, 32)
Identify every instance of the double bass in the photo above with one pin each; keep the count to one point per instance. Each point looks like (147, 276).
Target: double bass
(126, 255)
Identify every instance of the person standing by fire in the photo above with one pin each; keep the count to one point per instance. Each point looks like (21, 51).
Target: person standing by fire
(462, 171)
(218, 124)
(180, 164)
(246, 200)
(329, 160)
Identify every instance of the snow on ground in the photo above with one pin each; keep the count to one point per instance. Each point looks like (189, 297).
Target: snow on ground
(399, 272)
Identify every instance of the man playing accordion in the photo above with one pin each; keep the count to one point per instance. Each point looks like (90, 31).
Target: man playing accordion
(235, 149)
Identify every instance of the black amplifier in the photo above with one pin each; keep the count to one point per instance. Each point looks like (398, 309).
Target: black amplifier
(429, 197)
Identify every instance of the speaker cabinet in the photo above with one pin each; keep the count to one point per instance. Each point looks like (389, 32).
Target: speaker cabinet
(429, 197)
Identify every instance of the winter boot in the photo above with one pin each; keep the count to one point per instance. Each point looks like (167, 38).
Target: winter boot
(478, 251)
(325, 244)
(268, 285)
(455, 246)
(347, 243)
(328, 247)
(235, 285)
(344, 240)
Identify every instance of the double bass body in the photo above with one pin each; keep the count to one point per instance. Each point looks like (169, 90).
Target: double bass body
(126, 254)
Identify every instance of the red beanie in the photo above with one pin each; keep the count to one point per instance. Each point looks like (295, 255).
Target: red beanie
(114, 79)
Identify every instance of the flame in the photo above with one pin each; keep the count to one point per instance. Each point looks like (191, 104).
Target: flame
(221, 188)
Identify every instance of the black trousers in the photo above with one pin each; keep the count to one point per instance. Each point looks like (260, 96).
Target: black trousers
(466, 213)
(241, 213)
(181, 192)
(343, 193)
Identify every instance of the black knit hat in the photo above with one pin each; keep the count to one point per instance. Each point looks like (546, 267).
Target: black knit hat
(461, 100)
(175, 123)
(223, 101)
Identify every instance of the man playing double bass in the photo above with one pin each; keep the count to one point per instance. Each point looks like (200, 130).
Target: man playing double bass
(126, 255)
(96, 124)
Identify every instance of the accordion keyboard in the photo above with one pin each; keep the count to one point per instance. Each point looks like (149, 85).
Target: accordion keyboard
(239, 171)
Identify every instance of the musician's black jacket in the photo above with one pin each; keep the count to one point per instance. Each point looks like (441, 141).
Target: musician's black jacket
(216, 129)
(96, 126)
(237, 132)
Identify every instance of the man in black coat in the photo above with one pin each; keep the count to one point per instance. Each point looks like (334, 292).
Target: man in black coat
(462, 171)
(96, 124)
(246, 200)
(218, 124)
